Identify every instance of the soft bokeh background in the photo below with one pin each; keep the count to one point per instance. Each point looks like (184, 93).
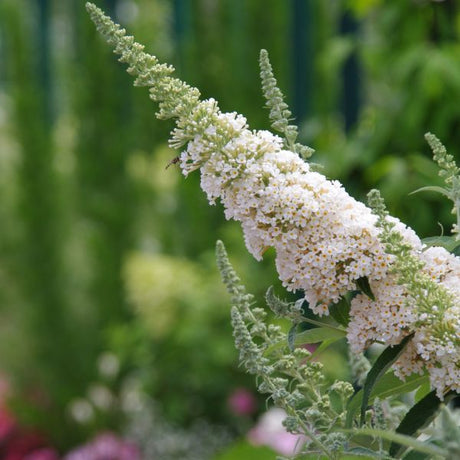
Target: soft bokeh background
(114, 327)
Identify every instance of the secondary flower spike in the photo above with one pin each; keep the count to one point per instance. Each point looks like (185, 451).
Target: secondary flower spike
(325, 240)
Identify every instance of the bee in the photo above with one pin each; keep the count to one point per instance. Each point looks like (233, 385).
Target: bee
(174, 161)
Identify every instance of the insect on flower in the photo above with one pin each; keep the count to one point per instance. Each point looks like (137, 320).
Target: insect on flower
(174, 161)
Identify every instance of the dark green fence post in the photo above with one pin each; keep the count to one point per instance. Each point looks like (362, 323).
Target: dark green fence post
(302, 58)
(351, 76)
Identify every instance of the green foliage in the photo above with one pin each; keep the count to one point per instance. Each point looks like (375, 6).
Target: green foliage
(83, 181)
(245, 451)
(387, 386)
(47, 356)
(180, 311)
(419, 446)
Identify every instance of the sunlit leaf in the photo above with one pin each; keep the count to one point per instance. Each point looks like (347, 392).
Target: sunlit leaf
(432, 188)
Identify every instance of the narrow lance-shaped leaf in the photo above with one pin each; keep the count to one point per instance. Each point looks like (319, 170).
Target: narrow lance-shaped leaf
(432, 188)
(383, 363)
(419, 416)
(324, 335)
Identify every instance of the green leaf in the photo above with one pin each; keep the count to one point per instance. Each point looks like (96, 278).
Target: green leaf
(340, 311)
(389, 385)
(419, 416)
(447, 242)
(322, 347)
(432, 188)
(407, 441)
(323, 332)
(414, 455)
(383, 363)
(245, 451)
(424, 389)
(364, 287)
(291, 337)
(318, 334)
(363, 452)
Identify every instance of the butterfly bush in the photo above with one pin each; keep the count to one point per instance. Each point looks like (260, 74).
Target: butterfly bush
(325, 240)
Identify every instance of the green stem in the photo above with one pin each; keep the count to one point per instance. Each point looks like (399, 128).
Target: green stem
(457, 207)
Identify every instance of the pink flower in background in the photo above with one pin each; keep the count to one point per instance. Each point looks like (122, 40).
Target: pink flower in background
(105, 446)
(22, 443)
(242, 402)
(7, 424)
(7, 421)
(270, 432)
(42, 454)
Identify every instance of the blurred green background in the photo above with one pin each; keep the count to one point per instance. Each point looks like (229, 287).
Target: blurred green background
(112, 315)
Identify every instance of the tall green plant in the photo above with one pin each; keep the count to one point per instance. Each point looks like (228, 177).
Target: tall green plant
(50, 366)
(105, 192)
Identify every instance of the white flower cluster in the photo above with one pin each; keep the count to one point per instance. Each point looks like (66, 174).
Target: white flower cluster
(394, 314)
(391, 315)
(325, 240)
(437, 338)
(387, 319)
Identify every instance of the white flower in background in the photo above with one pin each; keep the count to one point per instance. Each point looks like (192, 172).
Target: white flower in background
(100, 396)
(81, 410)
(108, 365)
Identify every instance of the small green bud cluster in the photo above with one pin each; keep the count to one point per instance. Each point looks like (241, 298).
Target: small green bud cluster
(176, 98)
(279, 110)
(450, 172)
(293, 381)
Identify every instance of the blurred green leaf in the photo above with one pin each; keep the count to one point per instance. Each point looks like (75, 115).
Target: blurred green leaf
(243, 450)
(318, 334)
(447, 242)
